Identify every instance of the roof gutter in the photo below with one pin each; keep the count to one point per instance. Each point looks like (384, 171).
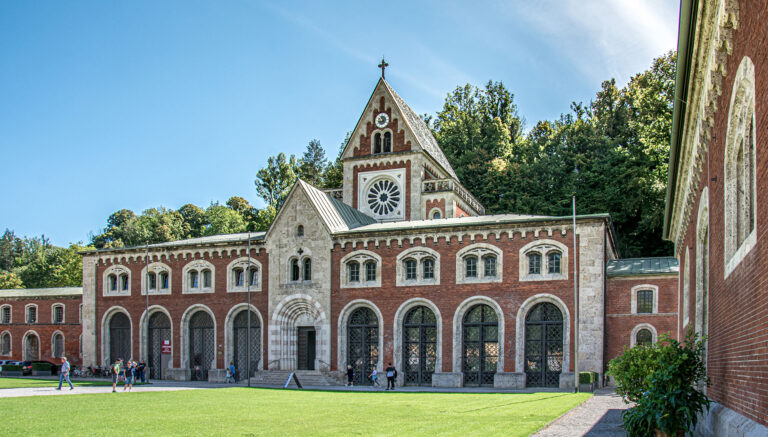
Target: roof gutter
(685, 43)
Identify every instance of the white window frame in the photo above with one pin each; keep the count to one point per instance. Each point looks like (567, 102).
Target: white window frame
(650, 287)
(63, 344)
(479, 250)
(157, 268)
(543, 247)
(368, 178)
(362, 257)
(418, 254)
(637, 328)
(10, 313)
(198, 265)
(10, 343)
(63, 313)
(242, 263)
(432, 212)
(117, 270)
(26, 314)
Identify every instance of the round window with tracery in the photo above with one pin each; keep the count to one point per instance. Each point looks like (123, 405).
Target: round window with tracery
(383, 197)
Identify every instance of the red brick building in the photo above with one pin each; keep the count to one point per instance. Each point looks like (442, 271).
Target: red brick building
(717, 210)
(41, 324)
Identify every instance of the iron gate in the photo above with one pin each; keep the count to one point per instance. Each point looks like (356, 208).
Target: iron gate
(159, 330)
(419, 346)
(202, 345)
(362, 343)
(240, 328)
(543, 346)
(32, 346)
(119, 337)
(481, 345)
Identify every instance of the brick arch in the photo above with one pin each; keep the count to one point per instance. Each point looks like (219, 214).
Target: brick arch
(283, 331)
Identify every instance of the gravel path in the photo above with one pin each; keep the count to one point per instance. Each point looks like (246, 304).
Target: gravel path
(599, 416)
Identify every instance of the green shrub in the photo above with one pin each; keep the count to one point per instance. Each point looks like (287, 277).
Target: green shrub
(42, 367)
(661, 379)
(12, 368)
(587, 377)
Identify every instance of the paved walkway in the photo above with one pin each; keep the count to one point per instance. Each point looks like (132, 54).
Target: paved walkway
(599, 416)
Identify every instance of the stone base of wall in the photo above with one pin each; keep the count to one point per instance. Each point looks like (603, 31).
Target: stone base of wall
(509, 380)
(722, 421)
(217, 375)
(448, 379)
(42, 373)
(178, 374)
(566, 381)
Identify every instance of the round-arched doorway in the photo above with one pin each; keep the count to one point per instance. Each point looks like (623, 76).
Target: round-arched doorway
(543, 346)
(480, 344)
(362, 343)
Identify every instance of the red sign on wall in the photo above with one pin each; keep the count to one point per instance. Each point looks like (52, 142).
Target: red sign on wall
(165, 348)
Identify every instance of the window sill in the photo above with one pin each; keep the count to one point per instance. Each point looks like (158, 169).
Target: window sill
(364, 284)
(198, 291)
(740, 254)
(254, 288)
(417, 282)
(480, 280)
(117, 293)
(155, 292)
(547, 277)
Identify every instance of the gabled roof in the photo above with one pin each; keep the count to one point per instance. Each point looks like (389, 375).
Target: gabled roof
(415, 124)
(642, 266)
(337, 215)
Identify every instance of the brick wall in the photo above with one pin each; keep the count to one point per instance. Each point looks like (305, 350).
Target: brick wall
(44, 326)
(438, 203)
(398, 133)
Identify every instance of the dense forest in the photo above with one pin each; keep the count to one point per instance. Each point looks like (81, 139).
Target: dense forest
(611, 153)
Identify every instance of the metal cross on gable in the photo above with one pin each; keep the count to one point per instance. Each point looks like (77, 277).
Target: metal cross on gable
(383, 66)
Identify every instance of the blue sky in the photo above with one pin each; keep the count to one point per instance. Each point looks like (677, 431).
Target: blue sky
(110, 105)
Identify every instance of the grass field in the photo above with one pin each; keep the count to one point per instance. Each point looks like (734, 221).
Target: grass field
(31, 383)
(244, 411)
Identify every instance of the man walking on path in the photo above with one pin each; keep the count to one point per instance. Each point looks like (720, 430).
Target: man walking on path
(232, 371)
(64, 374)
(115, 371)
(391, 375)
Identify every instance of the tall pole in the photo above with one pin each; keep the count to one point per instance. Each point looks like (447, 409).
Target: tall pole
(248, 288)
(575, 305)
(146, 305)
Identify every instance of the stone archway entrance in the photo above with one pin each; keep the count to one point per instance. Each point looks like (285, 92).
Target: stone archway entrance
(159, 330)
(240, 338)
(419, 346)
(303, 335)
(543, 345)
(362, 343)
(202, 347)
(480, 337)
(119, 337)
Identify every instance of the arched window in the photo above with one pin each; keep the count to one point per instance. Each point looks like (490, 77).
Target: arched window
(300, 231)
(112, 282)
(239, 276)
(370, 271)
(410, 269)
(353, 269)
(377, 143)
(644, 337)
(164, 280)
(489, 266)
(295, 271)
(58, 345)
(534, 264)
(5, 315)
(254, 277)
(645, 301)
(32, 314)
(124, 284)
(308, 269)
(387, 142)
(470, 266)
(152, 280)
(553, 262)
(5, 344)
(206, 278)
(436, 215)
(428, 267)
(58, 314)
(194, 279)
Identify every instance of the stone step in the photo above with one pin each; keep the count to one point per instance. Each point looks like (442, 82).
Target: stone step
(306, 377)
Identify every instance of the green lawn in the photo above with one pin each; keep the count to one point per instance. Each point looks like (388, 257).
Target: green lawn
(33, 382)
(248, 412)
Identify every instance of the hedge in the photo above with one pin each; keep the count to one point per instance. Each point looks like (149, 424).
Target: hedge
(42, 367)
(587, 377)
(12, 368)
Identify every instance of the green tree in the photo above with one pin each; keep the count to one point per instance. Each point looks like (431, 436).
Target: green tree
(10, 280)
(223, 220)
(333, 175)
(193, 220)
(312, 163)
(274, 182)
(11, 248)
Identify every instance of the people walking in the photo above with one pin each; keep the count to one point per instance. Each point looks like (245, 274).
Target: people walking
(350, 375)
(391, 375)
(142, 368)
(64, 374)
(233, 370)
(115, 372)
(130, 375)
(375, 378)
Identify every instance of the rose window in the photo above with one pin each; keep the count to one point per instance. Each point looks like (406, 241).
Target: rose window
(383, 197)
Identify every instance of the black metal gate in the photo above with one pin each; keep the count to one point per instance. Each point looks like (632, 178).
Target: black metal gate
(119, 337)
(362, 343)
(419, 346)
(240, 337)
(543, 346)
(202, 345)
(159, 330)
(481, 345)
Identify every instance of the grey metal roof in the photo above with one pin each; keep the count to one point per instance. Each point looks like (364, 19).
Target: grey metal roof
(42, 292)
(642, 266)
(423, 134)
(212, 239)
(337, 215)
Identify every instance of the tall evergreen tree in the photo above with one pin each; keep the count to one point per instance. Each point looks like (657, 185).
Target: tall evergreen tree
(312, 163)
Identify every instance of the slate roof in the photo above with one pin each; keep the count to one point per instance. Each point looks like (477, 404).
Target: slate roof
(337, 215)
(423, 134)
(212, 239)
(642, 266)
(42, 292)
